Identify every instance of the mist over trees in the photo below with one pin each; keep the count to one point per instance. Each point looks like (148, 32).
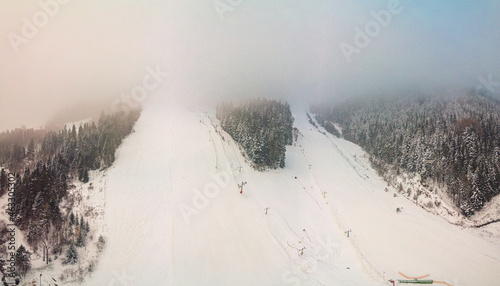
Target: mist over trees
(262, 127)
(45, 163)
(453, 141)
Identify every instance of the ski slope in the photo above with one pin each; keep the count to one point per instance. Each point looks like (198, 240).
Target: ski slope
(175, 215)
(414, 241)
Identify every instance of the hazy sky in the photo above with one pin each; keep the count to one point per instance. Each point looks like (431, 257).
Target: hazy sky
(62, 54)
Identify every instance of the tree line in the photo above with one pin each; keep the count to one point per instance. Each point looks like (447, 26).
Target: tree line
(450, 140)
(262, 127)
(45, 163)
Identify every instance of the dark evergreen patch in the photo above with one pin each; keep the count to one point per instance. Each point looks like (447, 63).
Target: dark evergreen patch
(262, 127)
(45, 162)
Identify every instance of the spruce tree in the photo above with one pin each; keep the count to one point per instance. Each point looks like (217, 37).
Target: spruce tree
(23, 261)
(71, 254)
(3, 179)
(80, 239)
(31, 148)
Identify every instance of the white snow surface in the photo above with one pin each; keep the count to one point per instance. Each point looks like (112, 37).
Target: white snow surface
(174, 214)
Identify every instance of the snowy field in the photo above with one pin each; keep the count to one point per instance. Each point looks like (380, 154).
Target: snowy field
(174, 215)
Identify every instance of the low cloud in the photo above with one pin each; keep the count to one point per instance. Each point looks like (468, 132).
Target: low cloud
(95, 51)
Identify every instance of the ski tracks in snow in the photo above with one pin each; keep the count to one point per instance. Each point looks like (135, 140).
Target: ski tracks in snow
(372, 271)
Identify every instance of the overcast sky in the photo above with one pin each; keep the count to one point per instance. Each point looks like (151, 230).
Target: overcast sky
(80, 52)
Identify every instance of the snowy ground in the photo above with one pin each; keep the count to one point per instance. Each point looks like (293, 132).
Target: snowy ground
(174, 215)
(84, 199)
(413, 241)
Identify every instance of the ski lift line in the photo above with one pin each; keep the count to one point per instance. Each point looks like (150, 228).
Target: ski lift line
(283, 247)
(336, 217)
(339, 221)
(251, 209)
(224, 148)
(341, 224)
(273, 234)
(264, 223)
(280, 243)
(211, 139)
(220, 136)
(305, 189)
(354, 166)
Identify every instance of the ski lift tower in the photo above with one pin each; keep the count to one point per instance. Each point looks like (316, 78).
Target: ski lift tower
(241, 186)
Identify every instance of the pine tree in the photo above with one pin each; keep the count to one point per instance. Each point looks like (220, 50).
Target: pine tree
(101, 242)
(81, 234)
(83, 174)
(31, 148)
(3, 179)
(80, 237)
(23, 261)
(71, 254)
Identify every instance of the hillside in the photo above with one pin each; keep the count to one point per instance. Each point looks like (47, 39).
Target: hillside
(171, 212)
(262, 127)
(50, 204)
(450, 145)
(175, 215)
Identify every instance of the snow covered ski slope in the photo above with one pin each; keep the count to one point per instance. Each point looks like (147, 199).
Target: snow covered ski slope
(175, 215)
(413, 241)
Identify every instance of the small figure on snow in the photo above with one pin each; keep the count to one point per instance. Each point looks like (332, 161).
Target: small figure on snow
(302, 251)
(395, 195)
